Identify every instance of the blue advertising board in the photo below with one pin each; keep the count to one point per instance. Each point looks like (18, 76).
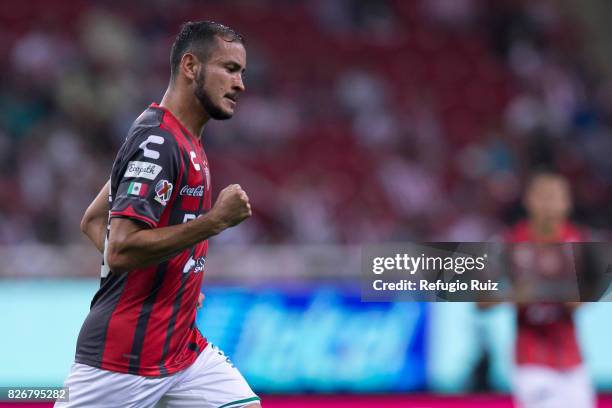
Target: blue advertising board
(320, 339)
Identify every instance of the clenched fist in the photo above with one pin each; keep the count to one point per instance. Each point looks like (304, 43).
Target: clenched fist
(232, 206)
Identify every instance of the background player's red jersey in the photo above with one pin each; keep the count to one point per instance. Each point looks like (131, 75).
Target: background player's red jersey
(143, 322)
(546, 333)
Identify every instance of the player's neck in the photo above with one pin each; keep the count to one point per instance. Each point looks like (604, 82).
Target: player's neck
(187, 110)
(543, 229)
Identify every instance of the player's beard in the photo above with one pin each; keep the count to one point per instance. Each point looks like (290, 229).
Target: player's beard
(214, 111)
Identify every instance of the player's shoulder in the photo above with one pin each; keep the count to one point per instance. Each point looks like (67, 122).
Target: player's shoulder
(575, 233)
(149, 136)
(149, 123)
(519, 232)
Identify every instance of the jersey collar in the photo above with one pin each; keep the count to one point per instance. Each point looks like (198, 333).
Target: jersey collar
(175, 119)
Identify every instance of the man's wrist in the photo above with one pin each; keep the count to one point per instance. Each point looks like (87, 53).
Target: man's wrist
(214, 223)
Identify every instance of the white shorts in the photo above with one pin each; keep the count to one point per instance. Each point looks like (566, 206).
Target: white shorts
(211, 381)
(543, 387)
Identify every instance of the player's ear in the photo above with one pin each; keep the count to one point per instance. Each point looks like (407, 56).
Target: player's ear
(189, 65)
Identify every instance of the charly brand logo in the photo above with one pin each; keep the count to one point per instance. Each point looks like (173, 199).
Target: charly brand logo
(193, 156)
(150, 153)
(195, 265)
(138, 169)
(192, 191)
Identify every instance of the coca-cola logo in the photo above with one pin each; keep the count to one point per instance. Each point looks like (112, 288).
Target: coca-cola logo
(192, 191)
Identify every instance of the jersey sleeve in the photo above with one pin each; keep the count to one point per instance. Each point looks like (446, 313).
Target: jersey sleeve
(144, 176)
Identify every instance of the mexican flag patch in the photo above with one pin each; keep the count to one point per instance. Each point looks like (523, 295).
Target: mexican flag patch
(137, 189)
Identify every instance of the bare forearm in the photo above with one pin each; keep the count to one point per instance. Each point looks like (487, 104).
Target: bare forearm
(144, 247)
(95, 219)
(97, 234)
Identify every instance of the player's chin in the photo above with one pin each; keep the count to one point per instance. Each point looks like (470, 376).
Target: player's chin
(225, 114)
(220, 112)
(226, 110)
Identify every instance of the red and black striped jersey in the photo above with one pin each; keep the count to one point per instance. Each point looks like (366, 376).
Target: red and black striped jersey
(143, 321)
(546, 334)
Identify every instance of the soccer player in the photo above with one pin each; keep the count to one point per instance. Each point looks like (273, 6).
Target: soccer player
(139, 346)
(549, 369)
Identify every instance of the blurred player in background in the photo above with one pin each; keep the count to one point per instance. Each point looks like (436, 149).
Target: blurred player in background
(549, 369)
(139, 346)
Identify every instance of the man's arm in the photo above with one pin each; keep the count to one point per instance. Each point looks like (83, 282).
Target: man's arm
(131, 245)
(95, 219)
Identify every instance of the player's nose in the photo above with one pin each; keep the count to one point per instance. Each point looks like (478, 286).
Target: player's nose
(238, 84)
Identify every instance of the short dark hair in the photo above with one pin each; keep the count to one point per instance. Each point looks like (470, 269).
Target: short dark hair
(198, 37)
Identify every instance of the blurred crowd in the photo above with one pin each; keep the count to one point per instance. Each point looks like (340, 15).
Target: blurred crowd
(363, 120)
